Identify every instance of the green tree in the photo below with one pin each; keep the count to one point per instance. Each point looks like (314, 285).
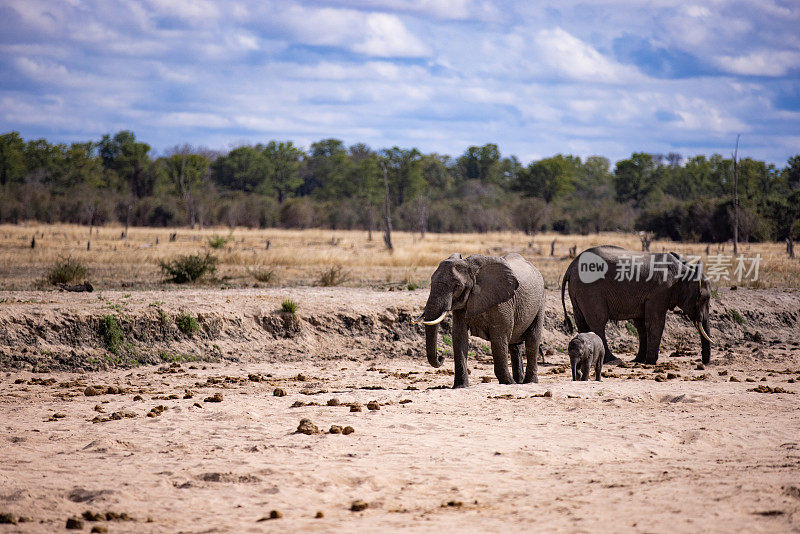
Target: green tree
(130, 160)
(12, 158)
(285, 160)
(245, 169)
(481, 163)
(634, 178)
(188, 173)
(549, 178)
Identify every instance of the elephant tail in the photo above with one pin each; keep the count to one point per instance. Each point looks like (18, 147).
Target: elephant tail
(567, 322)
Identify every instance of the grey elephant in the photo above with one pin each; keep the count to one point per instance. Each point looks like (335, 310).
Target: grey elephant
(500, 299)
(611, 283)
(586, 352)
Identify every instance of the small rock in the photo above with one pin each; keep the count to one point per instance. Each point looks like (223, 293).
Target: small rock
(88, 515)
(197, 405)
(355, 407)
(547, 393)
(333, 402)
(92, 391)
(348, 430)
(279, 392)
(486, 379)
(734, 379)
(404, 401)
(373, 405)
(275, 514)
(660, 378)
(455, 504)
(7, 519)
(358, 506)
(723, 372)
(335, 429)
(319, 515)
(307, 427)
(216, 397)
(138, 398)
(700, 367)
(98, 408)
(100, 529)
(671, 376)
(73, 523)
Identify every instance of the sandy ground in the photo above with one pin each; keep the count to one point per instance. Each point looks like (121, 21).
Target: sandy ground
(693, 450)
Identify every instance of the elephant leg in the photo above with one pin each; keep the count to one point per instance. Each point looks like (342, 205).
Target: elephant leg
(573, 362)
(533, 341)
(460, 347)
(517, 367)
(654, 318)
(580, 321)
(598, 367)
(500, 356)
(641, 356)
(598, 326)
(585, 365)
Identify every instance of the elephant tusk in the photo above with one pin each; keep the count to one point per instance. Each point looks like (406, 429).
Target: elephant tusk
(418, 319)
(702, 331)
(436, 321)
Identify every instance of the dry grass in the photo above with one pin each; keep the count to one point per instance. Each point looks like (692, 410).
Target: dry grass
(298, 256)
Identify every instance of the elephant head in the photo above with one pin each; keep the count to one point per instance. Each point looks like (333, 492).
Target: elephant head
(474, 285)
(693, 298)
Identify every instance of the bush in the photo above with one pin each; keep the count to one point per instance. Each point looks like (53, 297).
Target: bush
(111, 333)
(188, 268)
(263, 274)
(218, 241)
(66, 270)
(333, 276)
(289, 306)
(187, 324)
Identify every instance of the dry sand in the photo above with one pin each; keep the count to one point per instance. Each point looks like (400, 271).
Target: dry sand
(692, 452)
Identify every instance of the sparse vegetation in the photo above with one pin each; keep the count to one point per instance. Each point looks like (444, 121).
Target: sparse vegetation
(263, 274)
(631, 329)
(289, 306)
(189, 268)
(333, 276)
(217, 242)
(737, 317)
(111, 333)
(187, 324)
(65, 271)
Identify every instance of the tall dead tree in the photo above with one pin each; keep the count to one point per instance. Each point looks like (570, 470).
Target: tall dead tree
(736, 197)
(387, 215)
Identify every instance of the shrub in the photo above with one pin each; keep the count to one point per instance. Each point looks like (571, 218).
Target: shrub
(333, 276)
(187, 324)
(289, 306)
(188, 268)
(218, 241)
(111, 333)
(65, 270)
(737, 317)
(263, 274)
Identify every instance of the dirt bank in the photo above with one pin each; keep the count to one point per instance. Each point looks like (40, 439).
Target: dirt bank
(90, 331)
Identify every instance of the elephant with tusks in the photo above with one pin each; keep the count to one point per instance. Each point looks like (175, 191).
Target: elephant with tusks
(500, 299)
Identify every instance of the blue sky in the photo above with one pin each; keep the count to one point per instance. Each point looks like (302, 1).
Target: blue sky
(607, 78)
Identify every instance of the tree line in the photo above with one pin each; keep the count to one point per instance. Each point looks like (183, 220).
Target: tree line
(331, 185)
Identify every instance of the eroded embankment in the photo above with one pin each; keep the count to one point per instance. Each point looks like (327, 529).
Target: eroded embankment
(63, 331)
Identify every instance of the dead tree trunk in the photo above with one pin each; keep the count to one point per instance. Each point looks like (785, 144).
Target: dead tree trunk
(736, 198)
(387, 215)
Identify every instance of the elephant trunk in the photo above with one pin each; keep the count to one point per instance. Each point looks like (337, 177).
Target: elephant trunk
(431, 337)
(439, 303)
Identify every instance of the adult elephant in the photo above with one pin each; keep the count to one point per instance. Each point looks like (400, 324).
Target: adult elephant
(500, 299)
(611, 283)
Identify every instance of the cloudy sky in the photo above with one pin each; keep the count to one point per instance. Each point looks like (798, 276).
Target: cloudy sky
(608, 77)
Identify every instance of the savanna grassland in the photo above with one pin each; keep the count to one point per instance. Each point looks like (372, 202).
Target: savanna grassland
(301, 257)
(217, 406)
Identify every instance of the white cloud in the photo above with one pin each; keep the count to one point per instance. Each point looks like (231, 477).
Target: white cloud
(575, 59)
(386, 36)
(761, 63)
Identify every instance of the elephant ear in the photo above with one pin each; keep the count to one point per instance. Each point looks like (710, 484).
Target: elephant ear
(495, 282)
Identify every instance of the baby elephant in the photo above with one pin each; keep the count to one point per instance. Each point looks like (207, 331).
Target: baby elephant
(586, 351)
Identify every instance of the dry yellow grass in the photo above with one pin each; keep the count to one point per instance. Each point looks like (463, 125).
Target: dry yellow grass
(298, 257)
